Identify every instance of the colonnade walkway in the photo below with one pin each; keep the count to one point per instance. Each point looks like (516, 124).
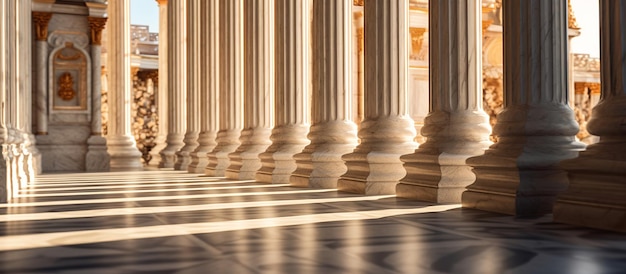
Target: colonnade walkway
(176, 222)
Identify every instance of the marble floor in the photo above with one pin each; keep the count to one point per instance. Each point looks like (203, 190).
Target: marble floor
(175, 222)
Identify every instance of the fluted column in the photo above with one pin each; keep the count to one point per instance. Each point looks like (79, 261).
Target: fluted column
(177, 81)
(519, 174)
(291, 119)
(258, 89)
(163, 86)
(183, 156)
(231, 86)
(97, 158)
(456, 127)
(387, 131)
(121, 143)
(333, 134)
(209, 86)
(596, 196)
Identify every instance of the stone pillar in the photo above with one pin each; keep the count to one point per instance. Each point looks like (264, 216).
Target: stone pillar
(519, 175)
(231, 86)
(177, 81)
(5, 182)
(209, 89)
(333, 133)
(183, 156)
(597, 189)
(387, 131)
(41, 20)
(291, 91)
(456, 127)
(121, 144)
(258, 89)
(97, 158)
(163, 86)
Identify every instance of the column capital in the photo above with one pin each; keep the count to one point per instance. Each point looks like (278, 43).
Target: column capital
(96, 25)
(161, 2)
(41, 20)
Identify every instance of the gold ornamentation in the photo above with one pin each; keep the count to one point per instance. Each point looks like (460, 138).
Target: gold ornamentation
(41, 20)
(417, 41)
(486, 24)
(357, 2)
(572, 23)
(96, 24)
(66, 86)
(360, 36)
(161, 2)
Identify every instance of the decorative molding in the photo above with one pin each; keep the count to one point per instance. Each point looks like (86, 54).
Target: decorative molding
(58, 39)
(358, 2)
(571, 17)
(41, 20)
(96, 25)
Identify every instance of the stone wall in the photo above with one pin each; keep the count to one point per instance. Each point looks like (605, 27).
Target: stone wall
(144, 112)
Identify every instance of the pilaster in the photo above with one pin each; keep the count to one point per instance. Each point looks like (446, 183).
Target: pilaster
(163, 86)
(97, 158)
(258, 89)
(456, 127)
(177, 81)
(41, 20)
(231, 86)
(387, 132)
(597, 189)
(291, 119)
(183, 156)
(209, 89)
(121, 144)
(519, 174)
(333, 133)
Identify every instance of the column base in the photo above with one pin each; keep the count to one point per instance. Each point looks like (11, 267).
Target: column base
(183, 156)
(156, 150)
(503, 187)
(199, 157)
(372, 173)
(245, 161)
(5, 182)
(227, 143)
(277, 162)
(596, 196)
(97, 158)
(168, 154)
(123, 154)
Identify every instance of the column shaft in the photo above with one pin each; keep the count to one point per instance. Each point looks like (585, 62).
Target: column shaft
(596, 192)
(5, 183)
(177, 81)
(387, 131)
(162, 86)
(456, 127)
(41, 71)
(258, 89)
(209, 89)
(231, 86)
(121, 144)
(183, 158)
(333, 133)
(519, 175)
(291, 119)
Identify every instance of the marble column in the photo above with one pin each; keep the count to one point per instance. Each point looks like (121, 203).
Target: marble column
(97, 158)
(41, 20)
(177, 81)
(291, 119)
(596, 196)
(456, 127)
(231, 86)
(258, 89)
(183, 156)
(333, 133)
(5, 182)
(162, 87)
(519, 174)
(209, 86)
(387, 131)
(120, 142)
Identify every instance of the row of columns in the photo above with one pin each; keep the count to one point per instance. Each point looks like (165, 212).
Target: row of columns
(20, 159)
(520, 175)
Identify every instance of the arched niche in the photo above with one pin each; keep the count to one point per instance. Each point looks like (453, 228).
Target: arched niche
(69, 74)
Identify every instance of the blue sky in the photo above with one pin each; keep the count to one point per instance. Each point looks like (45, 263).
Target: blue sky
(145, 12)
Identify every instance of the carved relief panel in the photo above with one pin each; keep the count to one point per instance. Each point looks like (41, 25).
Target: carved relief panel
(69, 73)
